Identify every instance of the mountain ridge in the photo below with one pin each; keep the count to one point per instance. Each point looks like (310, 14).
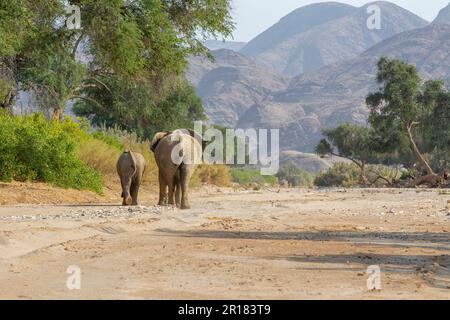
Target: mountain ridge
(444, 16)
(336, 94)
(331, 39)
(239, 91)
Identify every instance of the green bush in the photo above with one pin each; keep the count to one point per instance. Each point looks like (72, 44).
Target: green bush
(251, 176)
(35, 149)
(295, 176)
(108, 139)
(339, 175)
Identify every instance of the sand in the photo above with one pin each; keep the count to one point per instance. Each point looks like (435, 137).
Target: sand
(232, 244)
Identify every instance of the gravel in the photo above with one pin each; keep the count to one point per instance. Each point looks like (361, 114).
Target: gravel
(90, 213)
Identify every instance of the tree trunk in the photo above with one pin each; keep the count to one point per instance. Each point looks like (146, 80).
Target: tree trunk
(416, 150)
(8, 101)
(362, 174)
(433, 180)
(57, 114)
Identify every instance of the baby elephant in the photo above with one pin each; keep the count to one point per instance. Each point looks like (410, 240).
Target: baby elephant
(130, 167)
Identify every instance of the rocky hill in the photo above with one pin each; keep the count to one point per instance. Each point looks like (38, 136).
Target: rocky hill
(229, 45)
(232, 84)
(238, 91)
(324, 33)
(336, 93)
(443, 16)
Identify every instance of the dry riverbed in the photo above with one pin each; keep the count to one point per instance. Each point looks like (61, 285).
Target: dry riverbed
(232, 244)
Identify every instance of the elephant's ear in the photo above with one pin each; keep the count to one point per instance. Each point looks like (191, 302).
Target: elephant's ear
(158, 138)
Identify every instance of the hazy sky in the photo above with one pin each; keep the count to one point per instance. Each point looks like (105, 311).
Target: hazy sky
(254, 16)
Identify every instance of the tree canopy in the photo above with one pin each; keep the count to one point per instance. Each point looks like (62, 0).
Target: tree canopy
(352, 142)
(140, 43)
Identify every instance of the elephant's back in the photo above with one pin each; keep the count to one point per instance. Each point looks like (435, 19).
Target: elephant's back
(178, 139)
(140, 159)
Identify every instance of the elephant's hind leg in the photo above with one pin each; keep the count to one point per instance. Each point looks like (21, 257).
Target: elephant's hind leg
(134, 190)
(126, 185)
(162, 190)
(185, 176)
(170, 197)
(177, 185)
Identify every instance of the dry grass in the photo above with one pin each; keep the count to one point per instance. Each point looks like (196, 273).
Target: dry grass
(103, 157)
(218, 175)
(99, 155)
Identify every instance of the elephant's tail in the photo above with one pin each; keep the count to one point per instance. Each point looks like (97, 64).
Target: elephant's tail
(133, 160)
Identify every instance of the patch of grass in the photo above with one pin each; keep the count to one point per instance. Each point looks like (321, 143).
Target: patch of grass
(99, 155)
(217, 175)
(110, 143)
(249, 177)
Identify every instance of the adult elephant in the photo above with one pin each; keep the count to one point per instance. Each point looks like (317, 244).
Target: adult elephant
(177, 155)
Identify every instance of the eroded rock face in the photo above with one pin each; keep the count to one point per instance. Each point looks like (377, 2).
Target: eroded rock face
(232, 84)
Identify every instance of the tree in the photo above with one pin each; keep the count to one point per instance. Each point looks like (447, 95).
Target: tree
(436, 125)
(133, 106)
(352, 142)
(15, 24)
(142, 39)
(402, 104)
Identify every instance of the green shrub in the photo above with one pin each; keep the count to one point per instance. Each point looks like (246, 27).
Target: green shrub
(295, 176)
(108, 139)
(35, 149)
(339, 175)
(251, 176)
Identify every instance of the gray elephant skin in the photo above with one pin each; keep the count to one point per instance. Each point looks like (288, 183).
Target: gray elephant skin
(130, 168)
(173, 176)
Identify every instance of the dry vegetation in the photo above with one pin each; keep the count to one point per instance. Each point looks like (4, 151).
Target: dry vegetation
(102, 156)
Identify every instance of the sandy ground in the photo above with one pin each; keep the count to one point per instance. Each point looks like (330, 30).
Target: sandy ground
(233, 244)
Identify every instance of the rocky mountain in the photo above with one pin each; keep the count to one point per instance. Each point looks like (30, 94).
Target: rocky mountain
(308, 161)
(443, 16)
(229, 45)
(239, 91)
(336, 93)
(324, 33)
(232, 84)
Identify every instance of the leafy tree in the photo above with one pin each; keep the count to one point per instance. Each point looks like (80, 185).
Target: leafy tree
(142, 39)
(352, 142)
(436, 125)
(403, 104)
(132, 105)
(15, 25)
